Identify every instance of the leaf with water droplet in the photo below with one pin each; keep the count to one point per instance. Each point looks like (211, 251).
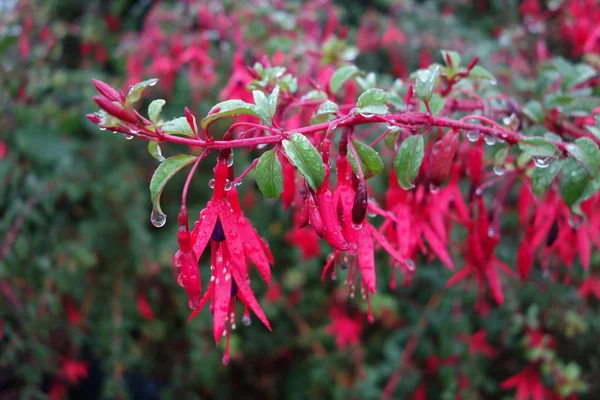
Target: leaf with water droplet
(586, 153)
(370, 162)
(135, 92)
(164, 173)
(534, 111)
(178, 126)
(573, 182)
(154, 150)
(481, 73)
(306, 158)
(154, 109)
(372, 101)
(341, 75)
(537, 146)
(408, 160)
(541, 178)
(235, 107)
(325, 112)
(269, 175)
(272, 101)
(425, 82)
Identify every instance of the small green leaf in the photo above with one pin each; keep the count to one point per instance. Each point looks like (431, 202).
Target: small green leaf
(306, 158)
(574, 181)
(273, 98)
(591, 188)
(408, 160)
(500, 157)
(165, 171)
(325, 112)
(541, 178)
(154, 109)
(453, 56)
(534, 111)
(367, 82)
(178, 126)
(314, 95)
(262, 104)
(425, 82)
(235, 107)
(536, 146)
(586, 152)
(370, 162)
(341, 75)
(269, 176)
(372, 101)
(135, 92)
(154, 150)
(481, 73)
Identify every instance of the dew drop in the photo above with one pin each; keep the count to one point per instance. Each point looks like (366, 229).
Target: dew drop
(473, 136)
(356, 226)
(371, 213)
(491, 232)
(433, 188)
(367, 115)
(228, 185)
(498, 170)
(542, 162)
(246, 320)
(261, 146)
(575, 221)
(333, 126)
(211, 184)
(227, 276)
(157, 218)
(478, 192)
(180, 279)
(230, 159)
(490, 140)
(152, 82)
(102, 129)
(192, 305)
(128, 137)
(410, 265)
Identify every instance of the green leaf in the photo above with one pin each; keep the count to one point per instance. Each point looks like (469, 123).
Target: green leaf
(370, 162)
(436, 104)
(325, 112)
(178, 126)
(306, 158)
(534, 111)
(135, 92)
(500, 157)
(481, 73)
(367, 82)
(154, 109)
(591, 188)
(578, 74)
(541, 178)
(372, 101)
(425, 82)
(408, 160)
(273, 98)
(586, 152)
(154, 150)
(454, 58)
(163, 174)
(269, 176)
(574, 181)
(536, 146)
(341, 75)
(235, 107)
(315, 95)
(262, 102)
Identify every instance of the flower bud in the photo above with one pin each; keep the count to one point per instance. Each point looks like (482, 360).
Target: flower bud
(361, 201)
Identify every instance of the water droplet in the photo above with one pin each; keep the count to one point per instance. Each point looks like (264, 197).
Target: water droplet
(227, 276)
(333, 126)
(261, 146)
(211, 184)
(152, 82)
(575, 221)
(157, 218)
(101, 128)
(192, 305)
(410, 265)
(498, 170)
(230, 159)
(233, 233)
(180, 279)
(367, 115)
(237, 252)
(371, 213)
(390, 126)
(246, 320)
(212, 278)
(356, 226)
(543, 162)
(478, 192)
(491, 232)
(473, 136)
(225, 360)
(490, 140)
(128, 137)
(433, 188)
(228, 185)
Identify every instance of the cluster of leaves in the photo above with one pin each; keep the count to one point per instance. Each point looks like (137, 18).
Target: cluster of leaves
(86, 277)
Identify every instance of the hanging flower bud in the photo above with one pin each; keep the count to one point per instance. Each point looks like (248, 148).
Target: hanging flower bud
(105, 90)
(441, 158)
(361, 200)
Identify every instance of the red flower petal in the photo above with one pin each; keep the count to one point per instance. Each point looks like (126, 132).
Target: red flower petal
(366, 258)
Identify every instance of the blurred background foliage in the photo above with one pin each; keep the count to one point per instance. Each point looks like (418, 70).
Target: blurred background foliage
(89, 304)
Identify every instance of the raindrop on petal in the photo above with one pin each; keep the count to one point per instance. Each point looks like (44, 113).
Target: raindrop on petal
(211, 184)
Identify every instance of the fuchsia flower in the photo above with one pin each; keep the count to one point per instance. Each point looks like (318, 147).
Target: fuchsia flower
(347, 330)
(231, 239)
(590, 287)
(478, 344)
(481, 263)
(528, 384)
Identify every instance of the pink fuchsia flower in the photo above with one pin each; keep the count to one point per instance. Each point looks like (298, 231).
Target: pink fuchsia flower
(528, 384)
(590, 288)
(478, 344)
(347, 330)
